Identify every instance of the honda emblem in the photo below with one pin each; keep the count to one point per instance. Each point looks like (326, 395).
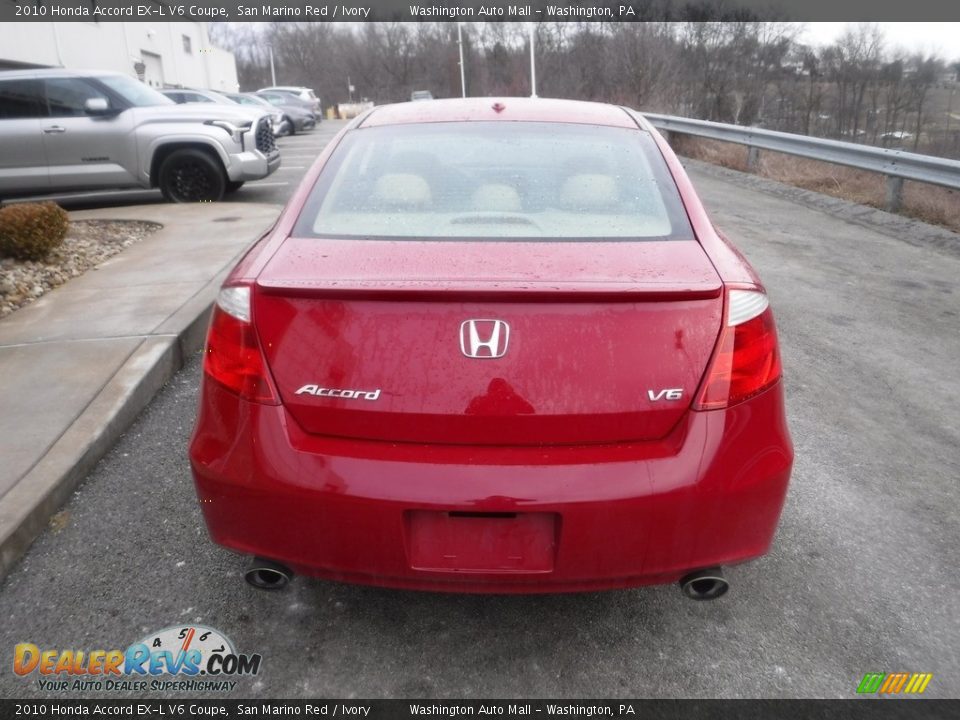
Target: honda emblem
(484, 339)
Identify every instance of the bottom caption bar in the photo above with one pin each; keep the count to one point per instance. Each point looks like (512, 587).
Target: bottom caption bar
(666, 709)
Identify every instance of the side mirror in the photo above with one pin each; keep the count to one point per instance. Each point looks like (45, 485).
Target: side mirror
(96, 106)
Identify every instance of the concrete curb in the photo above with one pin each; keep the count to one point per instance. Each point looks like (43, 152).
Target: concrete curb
(25, 510)
(28, 506)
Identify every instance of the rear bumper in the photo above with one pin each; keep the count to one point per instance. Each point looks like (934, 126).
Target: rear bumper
(613, 516)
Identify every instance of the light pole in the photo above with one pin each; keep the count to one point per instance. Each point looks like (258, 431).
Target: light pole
(533, 64)
(463, 75)
(273, 73)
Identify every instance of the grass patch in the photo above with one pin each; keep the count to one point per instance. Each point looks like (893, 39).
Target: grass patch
(929, 203)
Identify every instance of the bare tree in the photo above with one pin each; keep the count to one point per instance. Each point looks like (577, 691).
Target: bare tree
(716, 66)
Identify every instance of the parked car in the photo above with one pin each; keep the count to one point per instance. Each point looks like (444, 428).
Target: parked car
(303, 93)
(294, 118)
(183, 96)
(285, 101)
(62, 130)
(421, 95)
(496, 346)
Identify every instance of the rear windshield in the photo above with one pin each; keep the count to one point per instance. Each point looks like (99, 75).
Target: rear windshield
(523, 181)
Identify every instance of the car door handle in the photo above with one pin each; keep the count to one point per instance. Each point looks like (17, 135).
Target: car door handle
(55, 129)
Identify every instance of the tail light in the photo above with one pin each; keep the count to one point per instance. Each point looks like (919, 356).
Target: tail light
(747, 359)
(233, 357)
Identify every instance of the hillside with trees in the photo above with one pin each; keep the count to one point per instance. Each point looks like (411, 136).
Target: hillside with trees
(861, 88)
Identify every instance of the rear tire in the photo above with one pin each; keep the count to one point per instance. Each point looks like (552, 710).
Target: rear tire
(191, 175)
(232, 186)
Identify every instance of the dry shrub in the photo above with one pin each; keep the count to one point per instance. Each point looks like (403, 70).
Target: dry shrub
(712, 151)
(858, 186)
(29, 231)
(932, 204)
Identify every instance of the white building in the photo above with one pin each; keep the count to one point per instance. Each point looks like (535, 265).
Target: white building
(162, 54)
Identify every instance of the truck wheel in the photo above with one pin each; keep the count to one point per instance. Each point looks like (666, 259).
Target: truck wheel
(232, 186)
(190, 175)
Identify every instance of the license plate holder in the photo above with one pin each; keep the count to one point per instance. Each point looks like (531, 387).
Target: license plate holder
(476, 542)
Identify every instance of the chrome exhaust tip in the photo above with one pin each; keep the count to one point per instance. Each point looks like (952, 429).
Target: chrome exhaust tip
(267, 575)
(708, 584)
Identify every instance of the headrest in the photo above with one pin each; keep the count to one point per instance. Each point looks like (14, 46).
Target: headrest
(589, 192)
(401, 189)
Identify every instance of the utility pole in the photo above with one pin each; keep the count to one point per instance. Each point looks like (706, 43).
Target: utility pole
(463, 75)
(533, 64)
(273, 73)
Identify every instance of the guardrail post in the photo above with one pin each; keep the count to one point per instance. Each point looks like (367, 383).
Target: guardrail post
(894, 193)
(753, 157)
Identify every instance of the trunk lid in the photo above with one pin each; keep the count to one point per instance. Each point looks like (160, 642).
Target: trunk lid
(367, 339)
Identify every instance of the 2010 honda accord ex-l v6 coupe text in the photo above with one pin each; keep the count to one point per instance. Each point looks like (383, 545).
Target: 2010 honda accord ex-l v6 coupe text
(493, 345)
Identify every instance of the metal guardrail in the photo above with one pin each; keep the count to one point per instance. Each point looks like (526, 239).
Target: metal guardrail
(897, 165)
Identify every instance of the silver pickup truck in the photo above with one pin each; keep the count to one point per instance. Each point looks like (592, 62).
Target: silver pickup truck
(63, 130)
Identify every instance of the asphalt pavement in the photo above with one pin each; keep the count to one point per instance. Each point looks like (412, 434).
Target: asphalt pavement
(862, 576)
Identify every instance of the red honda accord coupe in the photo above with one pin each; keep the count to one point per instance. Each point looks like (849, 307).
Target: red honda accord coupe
(493, 346)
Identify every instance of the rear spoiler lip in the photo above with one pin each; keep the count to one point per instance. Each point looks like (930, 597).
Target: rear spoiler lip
(572, 291)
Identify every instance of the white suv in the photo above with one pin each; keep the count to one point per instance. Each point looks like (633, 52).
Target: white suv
(304, 93)
(62, 130)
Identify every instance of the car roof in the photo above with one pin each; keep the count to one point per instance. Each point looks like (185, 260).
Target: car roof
(195, 90)
(501, 109)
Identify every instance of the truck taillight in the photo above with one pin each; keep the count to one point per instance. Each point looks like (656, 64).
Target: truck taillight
(233, 357)
(747, 358)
